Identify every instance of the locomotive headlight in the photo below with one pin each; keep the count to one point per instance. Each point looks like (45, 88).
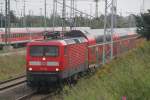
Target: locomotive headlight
(57, 69)
(43, 58)
(30, 69)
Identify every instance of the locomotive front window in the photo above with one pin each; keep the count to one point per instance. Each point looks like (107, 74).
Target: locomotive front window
(36, 51)
(48, 51)
(51, 51)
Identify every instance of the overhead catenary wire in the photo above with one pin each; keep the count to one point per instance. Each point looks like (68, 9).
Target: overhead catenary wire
(77, 10)
(25, 9)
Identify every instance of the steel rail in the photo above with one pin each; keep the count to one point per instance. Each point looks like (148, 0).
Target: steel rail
(12, 82)
(24, 97)
(47, 97)
(12, 79)
(34, 94)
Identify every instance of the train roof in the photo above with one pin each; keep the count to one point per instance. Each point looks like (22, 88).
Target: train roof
(59, 42)
(37, 29)
(98, 34)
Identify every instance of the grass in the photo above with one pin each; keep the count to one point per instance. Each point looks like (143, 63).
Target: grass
(11, 66)
(128, 76)
(13, 50)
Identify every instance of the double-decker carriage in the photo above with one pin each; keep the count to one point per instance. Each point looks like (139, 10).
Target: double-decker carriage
(50, 61)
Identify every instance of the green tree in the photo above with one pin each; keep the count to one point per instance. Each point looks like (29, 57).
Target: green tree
(143, 25)
(13, 18)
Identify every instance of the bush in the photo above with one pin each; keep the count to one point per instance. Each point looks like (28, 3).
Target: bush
(143, 25)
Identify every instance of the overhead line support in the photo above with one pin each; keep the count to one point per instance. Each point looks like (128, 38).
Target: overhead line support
(45, 6)
(64, 16)
(7, 21)
(112, 7)
(76, 10)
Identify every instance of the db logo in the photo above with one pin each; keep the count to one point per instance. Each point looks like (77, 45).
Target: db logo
(43, 63)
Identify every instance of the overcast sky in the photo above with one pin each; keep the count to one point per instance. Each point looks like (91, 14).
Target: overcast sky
(124, 7)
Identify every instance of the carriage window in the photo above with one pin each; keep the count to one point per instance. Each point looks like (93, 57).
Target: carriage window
(10, 35)
(76, 40)
(13, 36)
(2, 35)
(50, 51)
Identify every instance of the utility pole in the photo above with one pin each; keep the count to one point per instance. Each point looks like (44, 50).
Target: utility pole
(7, 21)
(54, 13)
(24, 13)
(41, 12)
(96, 8)
(21, 14)
(41, 18)
(115, 14)
(45, 6)
(142, 9)
(112, 28)
(143, 6)
(105, 29)
(1, 14)
(72, 14)
(75, 13)
(30, 16)
(90, 14)
(71, 1)
(64, 16)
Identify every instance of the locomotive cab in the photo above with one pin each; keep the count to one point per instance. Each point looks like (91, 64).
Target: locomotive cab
(44, 62)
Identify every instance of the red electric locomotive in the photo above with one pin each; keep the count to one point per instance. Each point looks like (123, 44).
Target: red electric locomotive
(49, 61)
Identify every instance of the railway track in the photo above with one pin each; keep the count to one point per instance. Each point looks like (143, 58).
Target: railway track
(12, 53)
(35, 95)
(12, 82)
(24, 97)
(25, 93)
